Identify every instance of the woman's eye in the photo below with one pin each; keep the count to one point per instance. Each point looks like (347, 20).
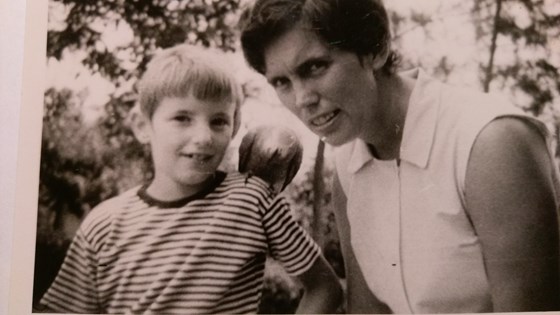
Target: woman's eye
(317, 67)
(280, 83)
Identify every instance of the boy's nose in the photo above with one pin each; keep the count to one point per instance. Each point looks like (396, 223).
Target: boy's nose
(202, 135)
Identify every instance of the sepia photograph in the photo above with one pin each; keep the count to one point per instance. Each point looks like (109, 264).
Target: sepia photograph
(288, 156)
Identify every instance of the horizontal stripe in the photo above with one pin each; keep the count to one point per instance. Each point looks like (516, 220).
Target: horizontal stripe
(206, 256)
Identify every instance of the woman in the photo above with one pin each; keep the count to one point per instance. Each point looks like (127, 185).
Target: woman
(446, 199)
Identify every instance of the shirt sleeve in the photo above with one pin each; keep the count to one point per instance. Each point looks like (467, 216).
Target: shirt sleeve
(288, 242)
(74, 289)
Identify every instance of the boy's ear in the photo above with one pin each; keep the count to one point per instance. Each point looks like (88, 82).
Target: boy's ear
(139, 124)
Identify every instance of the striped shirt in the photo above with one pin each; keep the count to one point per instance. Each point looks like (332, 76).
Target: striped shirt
(202, 254)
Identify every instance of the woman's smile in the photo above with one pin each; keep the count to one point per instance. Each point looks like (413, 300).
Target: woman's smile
(324, 119)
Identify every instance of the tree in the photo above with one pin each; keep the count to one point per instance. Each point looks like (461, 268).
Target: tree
(318, 195)
(516, 48)
(525, 29)
(425, 35)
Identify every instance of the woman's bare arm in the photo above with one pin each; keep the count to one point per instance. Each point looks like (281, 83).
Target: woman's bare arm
(510, 199)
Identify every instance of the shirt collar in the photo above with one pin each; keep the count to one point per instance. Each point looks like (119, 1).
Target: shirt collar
(419, 127)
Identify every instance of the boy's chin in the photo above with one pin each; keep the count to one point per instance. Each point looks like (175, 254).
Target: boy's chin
(198, 178)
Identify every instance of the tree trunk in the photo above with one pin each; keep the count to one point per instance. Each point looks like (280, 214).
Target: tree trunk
(495, 31)
(318, 194)
(557, 143)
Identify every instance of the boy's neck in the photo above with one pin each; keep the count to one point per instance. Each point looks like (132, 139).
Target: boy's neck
(172, 191)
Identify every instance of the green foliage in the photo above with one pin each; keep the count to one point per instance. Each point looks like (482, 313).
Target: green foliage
(538, 79)
(154, 24)
(525, 29)
(281, 294)
(301, 197)
(68, 154)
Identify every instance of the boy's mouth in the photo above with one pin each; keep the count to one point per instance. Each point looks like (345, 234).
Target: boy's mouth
(199, 157)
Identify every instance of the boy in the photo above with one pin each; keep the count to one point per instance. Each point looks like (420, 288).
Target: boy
(195, 239)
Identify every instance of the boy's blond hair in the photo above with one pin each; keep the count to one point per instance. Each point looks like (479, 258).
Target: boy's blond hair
(185, 69)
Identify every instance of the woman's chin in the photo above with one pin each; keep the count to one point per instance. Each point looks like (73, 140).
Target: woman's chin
(335, 140)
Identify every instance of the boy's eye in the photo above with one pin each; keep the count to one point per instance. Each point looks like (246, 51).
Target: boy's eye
(182, 118)
(220, 122)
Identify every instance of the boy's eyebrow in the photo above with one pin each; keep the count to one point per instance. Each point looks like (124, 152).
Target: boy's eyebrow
(183, 111)
(221, 113)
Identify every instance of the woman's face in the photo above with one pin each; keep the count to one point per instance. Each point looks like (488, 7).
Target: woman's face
(331, 91)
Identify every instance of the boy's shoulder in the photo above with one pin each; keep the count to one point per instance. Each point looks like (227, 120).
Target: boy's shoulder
(243, 181)
(252, 191)
(105, 210)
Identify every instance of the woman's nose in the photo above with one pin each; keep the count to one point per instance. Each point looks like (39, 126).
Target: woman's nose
(305, 96)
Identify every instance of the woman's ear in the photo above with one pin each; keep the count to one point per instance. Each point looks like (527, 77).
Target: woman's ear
(376, 62)
(140, 125)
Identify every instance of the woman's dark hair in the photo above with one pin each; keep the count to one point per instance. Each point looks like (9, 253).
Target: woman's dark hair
(358, 26)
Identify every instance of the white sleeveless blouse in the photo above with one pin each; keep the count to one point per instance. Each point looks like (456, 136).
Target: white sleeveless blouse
(409, 231)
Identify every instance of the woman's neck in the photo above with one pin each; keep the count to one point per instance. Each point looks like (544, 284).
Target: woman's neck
(385, 136)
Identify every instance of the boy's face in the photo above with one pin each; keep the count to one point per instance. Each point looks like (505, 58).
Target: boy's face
(188, 139)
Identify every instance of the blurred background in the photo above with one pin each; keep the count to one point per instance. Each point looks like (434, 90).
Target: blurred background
(97, 49)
